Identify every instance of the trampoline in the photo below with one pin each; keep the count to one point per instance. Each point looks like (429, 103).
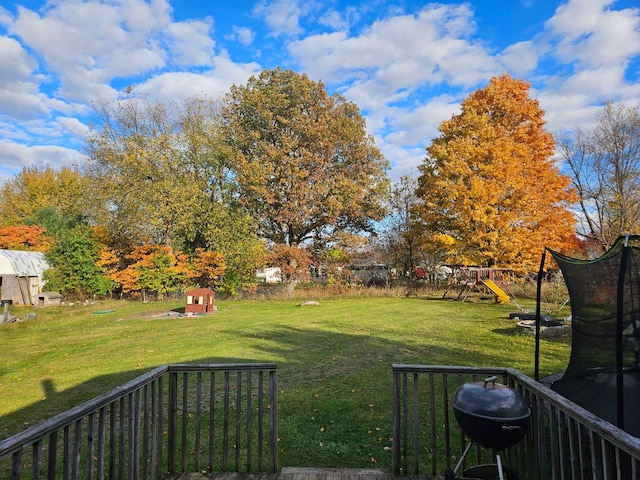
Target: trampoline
(603, 373)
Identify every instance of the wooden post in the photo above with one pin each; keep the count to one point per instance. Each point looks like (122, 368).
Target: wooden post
(173, 422)
(5, 315)
(273, 400)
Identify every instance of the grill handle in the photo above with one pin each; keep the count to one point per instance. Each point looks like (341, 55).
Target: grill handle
(491, 379)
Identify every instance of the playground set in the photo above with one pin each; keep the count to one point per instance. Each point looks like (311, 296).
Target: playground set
(483, 280)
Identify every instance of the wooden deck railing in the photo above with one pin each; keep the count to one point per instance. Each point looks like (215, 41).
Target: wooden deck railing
(564, 440)
(176, 418)
(219, 418)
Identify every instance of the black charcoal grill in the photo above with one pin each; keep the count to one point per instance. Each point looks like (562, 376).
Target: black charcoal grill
(491, 415)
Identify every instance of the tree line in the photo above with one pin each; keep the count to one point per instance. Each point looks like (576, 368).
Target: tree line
(279, 172)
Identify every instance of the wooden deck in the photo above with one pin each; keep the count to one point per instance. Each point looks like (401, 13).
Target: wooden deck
(305, 473)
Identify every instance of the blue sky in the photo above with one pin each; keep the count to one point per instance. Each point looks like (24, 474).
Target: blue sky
(407, 64)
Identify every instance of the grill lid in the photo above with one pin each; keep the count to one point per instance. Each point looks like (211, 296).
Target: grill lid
(491, 400)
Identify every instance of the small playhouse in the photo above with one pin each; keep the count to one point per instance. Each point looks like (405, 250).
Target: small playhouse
(199, 300)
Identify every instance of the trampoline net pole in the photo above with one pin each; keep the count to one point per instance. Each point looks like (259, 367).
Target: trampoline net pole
(538, 300)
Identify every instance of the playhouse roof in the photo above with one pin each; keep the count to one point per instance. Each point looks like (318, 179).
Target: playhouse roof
(200, 291)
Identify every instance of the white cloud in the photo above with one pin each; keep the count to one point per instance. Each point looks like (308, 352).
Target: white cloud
(87, 40)
(191, 42)
(89, 44)
(421, 124)
(145, 16)
(282, 16)
(87, 35)
(73, 126)
(404, 160)
(334, 20)
(520, 58)
(591, 47)
(15, 156)
(176, 86)
(400, 53)
(5, 16)
(411, 132)
(593, 35)
(84, 85)
(12, 53)
(602, 82)
(43, 131)
(243, 35)
(575, 18)
(19, 85)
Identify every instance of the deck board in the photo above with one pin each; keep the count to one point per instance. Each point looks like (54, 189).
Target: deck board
(305, 473)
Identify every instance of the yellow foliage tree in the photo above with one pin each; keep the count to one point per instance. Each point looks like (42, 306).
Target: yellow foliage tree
(491, 193)
(36, 188)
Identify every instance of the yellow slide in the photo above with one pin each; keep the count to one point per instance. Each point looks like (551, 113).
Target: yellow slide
(502, 296)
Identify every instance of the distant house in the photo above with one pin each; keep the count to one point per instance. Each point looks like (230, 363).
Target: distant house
(270, 274)
(21, 276)
(370, 274)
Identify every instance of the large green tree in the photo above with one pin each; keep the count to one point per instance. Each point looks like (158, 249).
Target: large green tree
(303, 162)
(73, 259)
(162, 172)
(232, 232)
(490, 188)
(144, 186)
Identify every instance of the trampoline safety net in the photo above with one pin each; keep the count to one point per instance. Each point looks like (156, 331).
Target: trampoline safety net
(593, 290)
(602, 374)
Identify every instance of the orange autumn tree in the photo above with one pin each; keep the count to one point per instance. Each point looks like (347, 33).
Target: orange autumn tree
(24, 237)
(152, 268)
(293, 261)
(159, 269)
(491, 193)
(208, 268)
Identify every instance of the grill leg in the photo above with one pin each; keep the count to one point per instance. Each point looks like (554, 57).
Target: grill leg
(499, 462)
(462, 458)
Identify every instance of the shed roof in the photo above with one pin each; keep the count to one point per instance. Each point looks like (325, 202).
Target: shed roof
(200, 291)
(22, 264)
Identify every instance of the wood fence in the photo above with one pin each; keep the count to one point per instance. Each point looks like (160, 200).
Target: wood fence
(564, 441)
(176, 418)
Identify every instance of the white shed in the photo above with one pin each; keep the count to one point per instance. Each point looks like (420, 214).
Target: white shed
(21, 276)
(269, 274)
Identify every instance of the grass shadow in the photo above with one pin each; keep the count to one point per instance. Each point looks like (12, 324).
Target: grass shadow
(337, 412)
(334, 362)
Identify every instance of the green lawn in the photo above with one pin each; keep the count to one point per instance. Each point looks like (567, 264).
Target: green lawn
(334, 360)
